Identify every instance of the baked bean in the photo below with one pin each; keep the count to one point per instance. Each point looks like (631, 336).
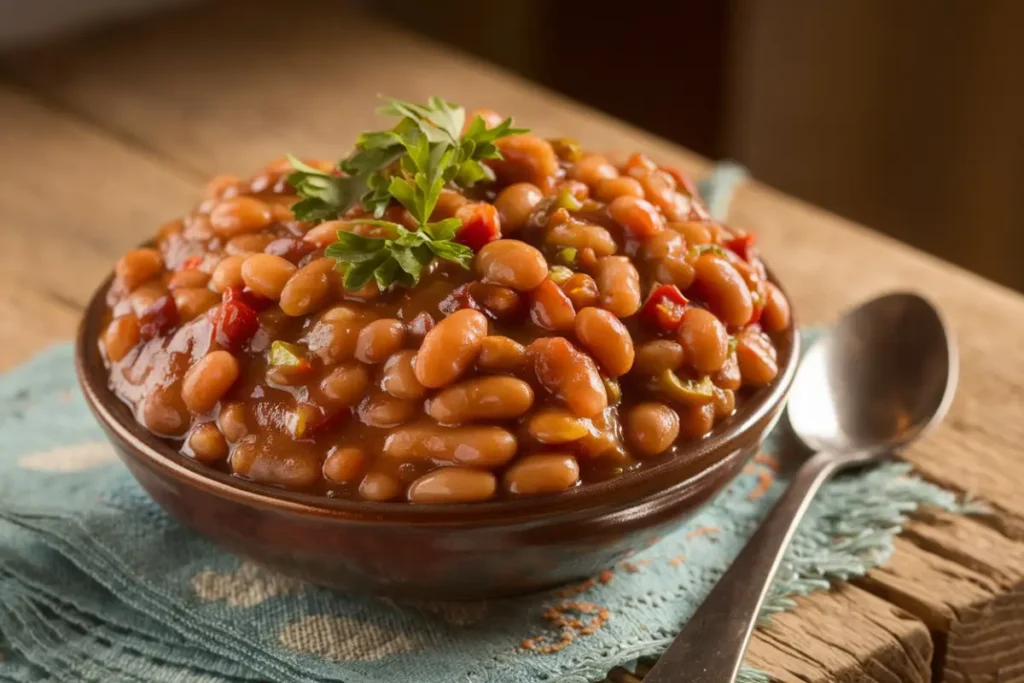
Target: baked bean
(725, 403)
(638, 216)
(491, 118)
(500, 353)
(379, 487)
(228, 273)
(208, 444)
(260, 461)
(239, 215)
(607, 340)
(343, 464)
(378, 340)
(194, 301)
(333, 339)
(137, 266)
(368, 292)
(121, 336)
(450, 348)
(163, 412)
(448, 204)
(619, 284)
(551, 308)
(526, 158)
(704, 340)
(483, 446)
(453, 485)
(208, 380)
(728, 376)
(568, 374)
(556, 426)
(511, 263)
(695, 232)
(399, 378)
(251, 243)
(724, 289)
(146, 295)
(345, 384)
(482, 398)
(542, 473)
(659, 189)
(185, 279)
(501, 302)
(385, 411)
(582, 236)
(267, 274)
(309, 288)
(775, 316)
(665, 244)
(610, 189)
(515, 204)
(696, 420)
(291, 249)
(581, 290)
(675, 270)
(592, 169)
(756, 358)
(652, 428)
(231, 422)
(654, 357)
(325, 234)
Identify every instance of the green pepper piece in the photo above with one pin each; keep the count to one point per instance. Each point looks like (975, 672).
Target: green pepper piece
(690, 392)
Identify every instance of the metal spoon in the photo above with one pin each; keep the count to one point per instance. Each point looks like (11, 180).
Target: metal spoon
(873, 383)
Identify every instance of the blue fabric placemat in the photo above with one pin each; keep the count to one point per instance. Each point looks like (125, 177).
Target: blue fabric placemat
(98, 584)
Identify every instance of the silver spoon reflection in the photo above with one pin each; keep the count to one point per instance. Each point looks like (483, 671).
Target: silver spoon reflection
(870, 385)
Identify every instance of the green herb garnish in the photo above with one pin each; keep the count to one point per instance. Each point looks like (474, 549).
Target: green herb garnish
(410, 163)
(704, 248)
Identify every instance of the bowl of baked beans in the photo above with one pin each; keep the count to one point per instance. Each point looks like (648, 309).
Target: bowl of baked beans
(471, 361)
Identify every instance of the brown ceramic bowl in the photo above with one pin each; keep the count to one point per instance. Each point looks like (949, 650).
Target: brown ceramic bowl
(433, 551)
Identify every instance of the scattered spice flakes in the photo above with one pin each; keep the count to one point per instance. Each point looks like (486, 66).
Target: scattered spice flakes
(635, 567)
(652, 540)
(606, 576)
(677, 560)
(750, 469)
(573, 619)
(768, 461)
(702, 531)
(764, 482)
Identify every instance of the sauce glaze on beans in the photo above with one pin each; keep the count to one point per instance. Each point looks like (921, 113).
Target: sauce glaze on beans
(609, 323)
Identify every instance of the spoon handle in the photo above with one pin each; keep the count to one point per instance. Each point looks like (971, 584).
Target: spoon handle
(710, 647)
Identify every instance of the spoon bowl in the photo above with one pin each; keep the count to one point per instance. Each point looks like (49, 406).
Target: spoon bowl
(877, 380)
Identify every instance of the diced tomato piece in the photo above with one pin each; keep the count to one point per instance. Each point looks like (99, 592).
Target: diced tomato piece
(480, 225)
(664, 308)
(743, 245)
(160, 317)
(192, 262)
(237, 321)
(461, 297)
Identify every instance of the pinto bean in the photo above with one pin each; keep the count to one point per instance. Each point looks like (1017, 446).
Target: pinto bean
(453, 485)
(619, 284)
(568, 374)
(483, 398)
(511, 263)
(473, 446)
(450, 348)
(607, 340)
(542, 473)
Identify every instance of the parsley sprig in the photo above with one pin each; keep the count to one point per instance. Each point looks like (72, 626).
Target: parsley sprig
(411, 164)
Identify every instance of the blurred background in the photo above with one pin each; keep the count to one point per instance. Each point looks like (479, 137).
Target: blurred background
(903, 115)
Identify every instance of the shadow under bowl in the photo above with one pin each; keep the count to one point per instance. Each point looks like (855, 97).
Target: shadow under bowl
(436, 552)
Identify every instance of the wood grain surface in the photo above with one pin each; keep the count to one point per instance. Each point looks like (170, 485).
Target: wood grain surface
(107, 136)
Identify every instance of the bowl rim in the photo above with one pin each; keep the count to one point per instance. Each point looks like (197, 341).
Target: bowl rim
(700, 459)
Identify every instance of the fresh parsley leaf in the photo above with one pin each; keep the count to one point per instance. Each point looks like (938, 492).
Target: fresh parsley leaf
(411, 164)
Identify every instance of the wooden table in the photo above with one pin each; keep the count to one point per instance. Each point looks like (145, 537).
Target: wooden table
(103, 138)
